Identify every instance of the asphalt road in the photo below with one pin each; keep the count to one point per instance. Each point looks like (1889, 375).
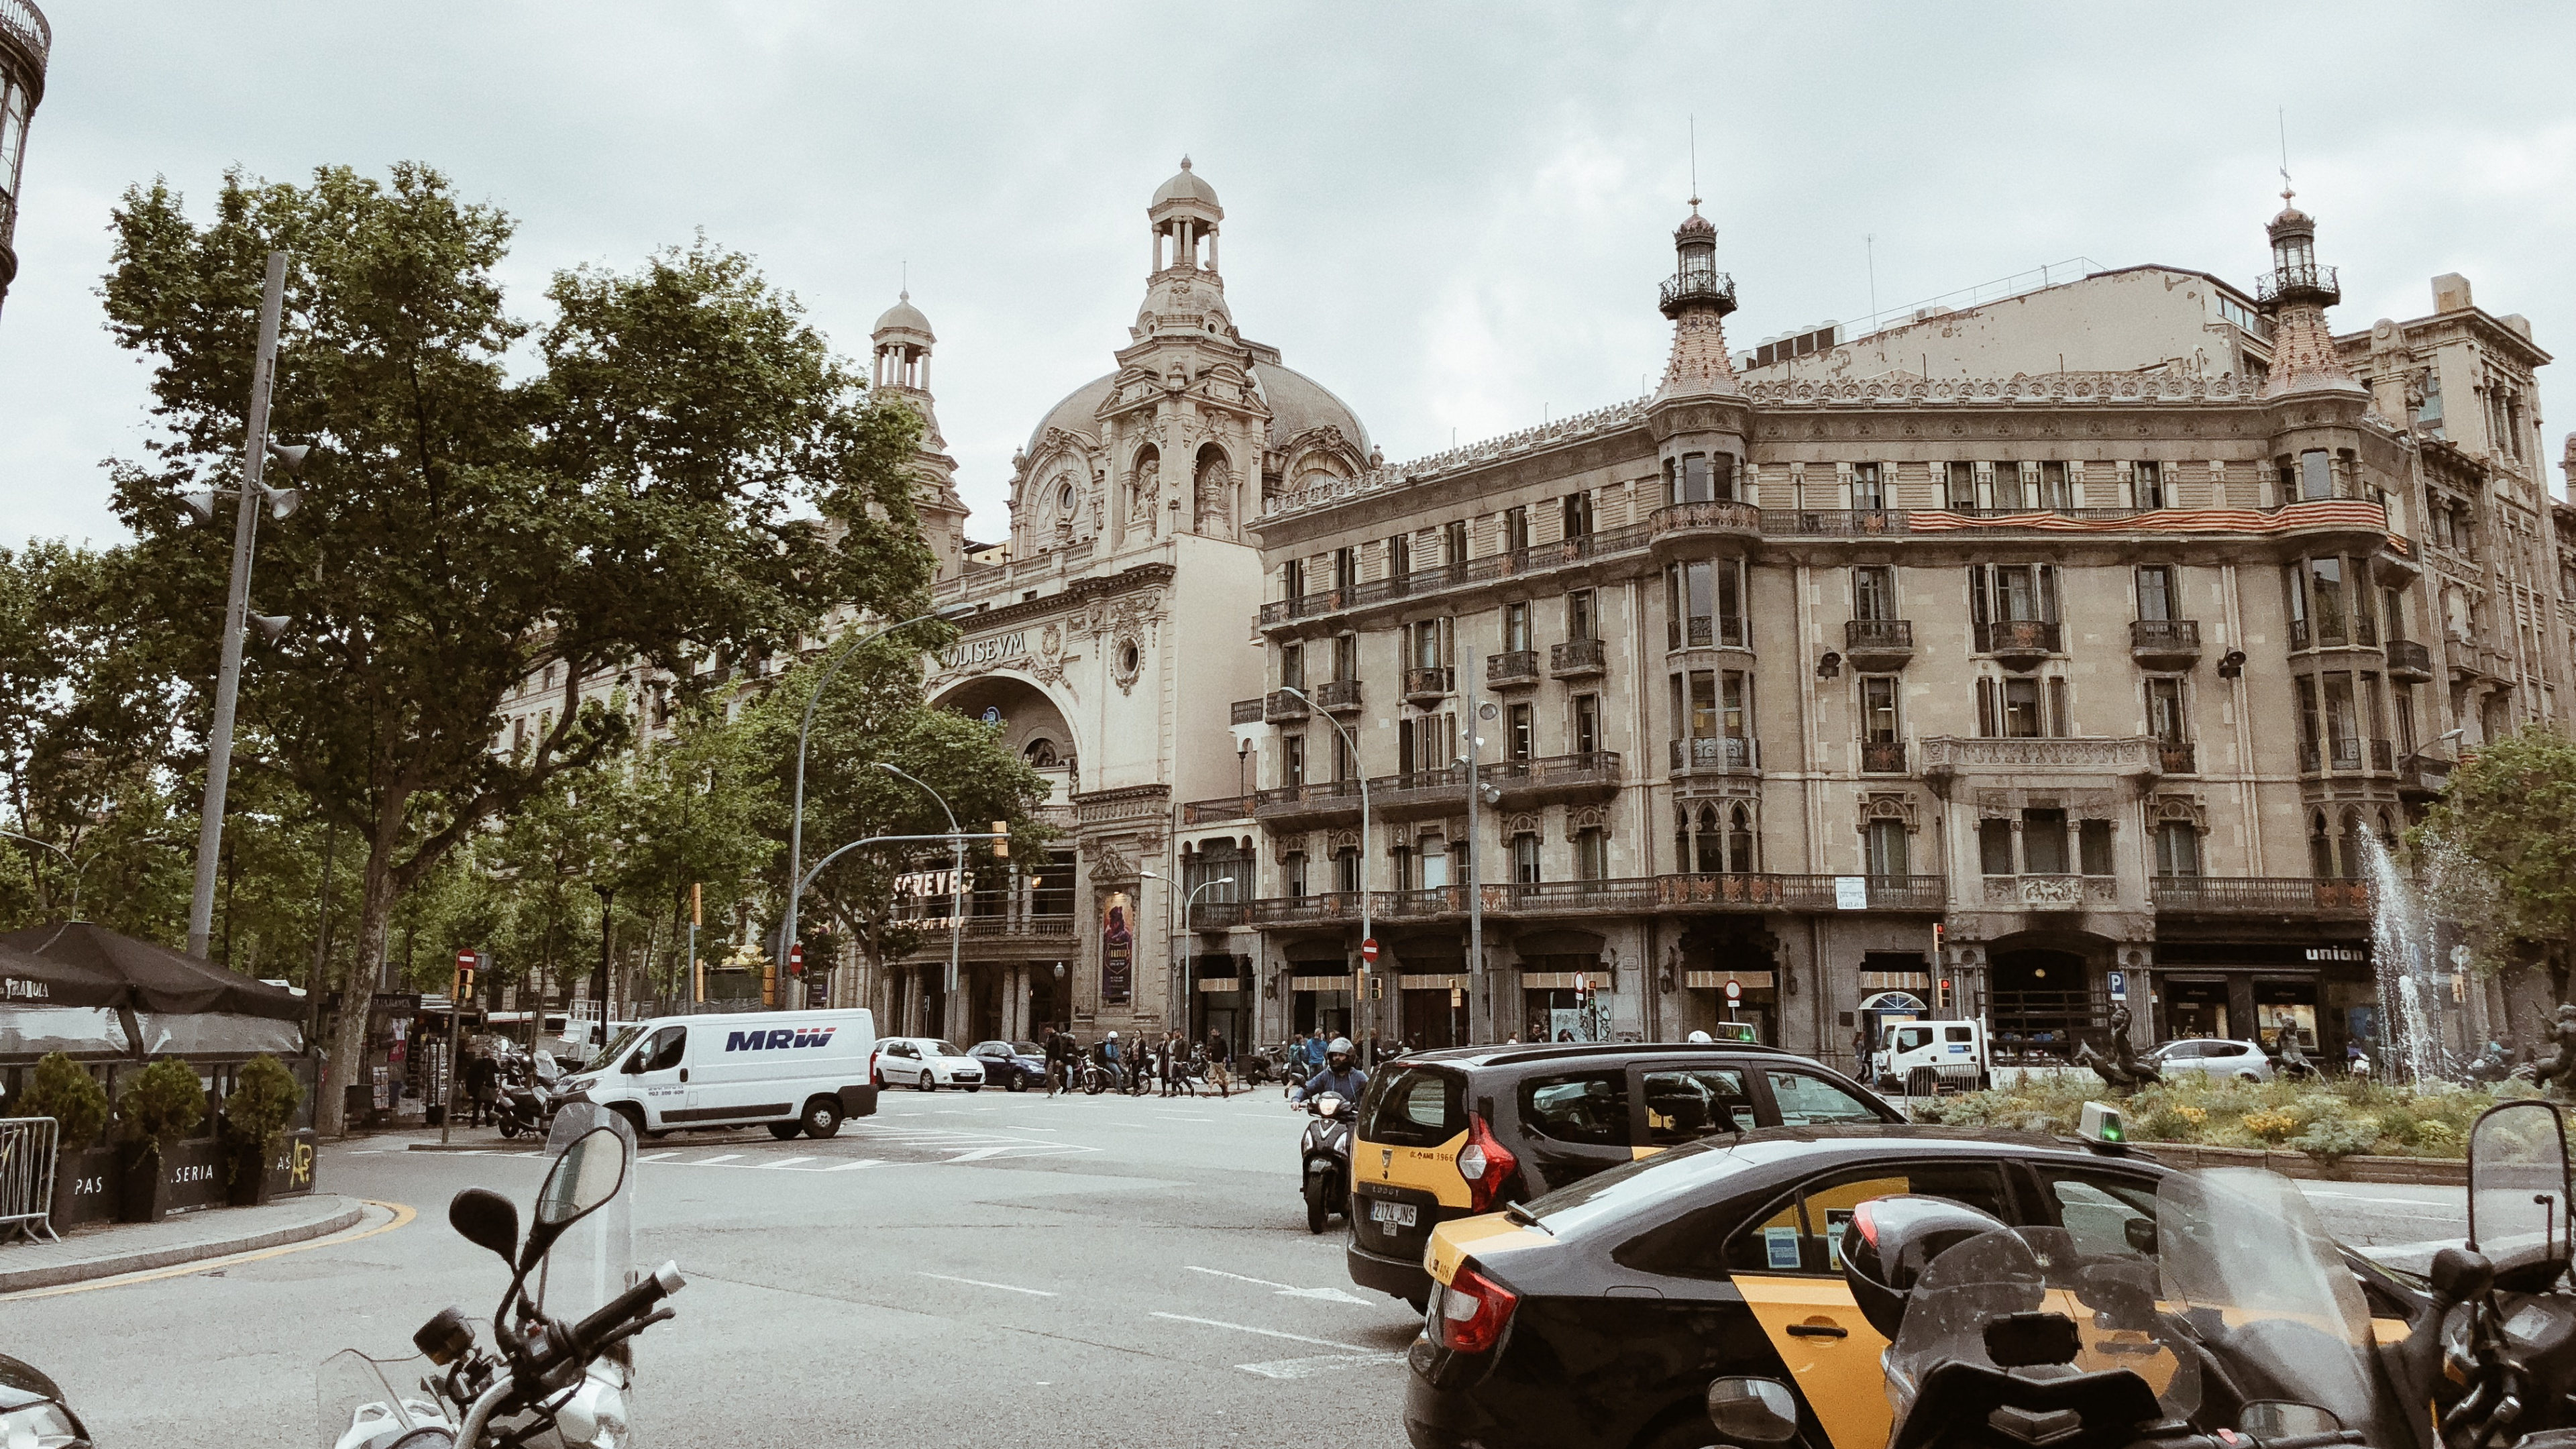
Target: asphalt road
(989, 1269)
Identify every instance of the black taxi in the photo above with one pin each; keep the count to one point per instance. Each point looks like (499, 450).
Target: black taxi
(1453, 1133)
(1598, 1315)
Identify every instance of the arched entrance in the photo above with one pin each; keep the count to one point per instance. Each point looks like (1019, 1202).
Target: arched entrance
(1031, 725)
(2044, 1003)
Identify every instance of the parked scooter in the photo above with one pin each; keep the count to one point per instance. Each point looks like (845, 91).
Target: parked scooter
(559, 1372)
(529, 1095)
(1326, 1150)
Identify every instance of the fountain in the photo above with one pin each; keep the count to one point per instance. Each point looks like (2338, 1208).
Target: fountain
(2402, 953)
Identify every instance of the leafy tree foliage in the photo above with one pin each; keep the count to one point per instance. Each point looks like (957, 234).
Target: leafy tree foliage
(2501, 843)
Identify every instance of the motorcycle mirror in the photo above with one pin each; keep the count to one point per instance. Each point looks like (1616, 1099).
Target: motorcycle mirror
(1888, 1243)
(2458, 1274)
(1761, 1413)
(487, 1219)
(589, 1173)
(2141, 1233)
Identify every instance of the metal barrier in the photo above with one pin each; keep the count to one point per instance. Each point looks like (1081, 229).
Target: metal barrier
(27, 1148)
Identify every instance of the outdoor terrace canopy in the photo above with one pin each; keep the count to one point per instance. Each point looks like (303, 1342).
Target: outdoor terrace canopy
(180, 1005)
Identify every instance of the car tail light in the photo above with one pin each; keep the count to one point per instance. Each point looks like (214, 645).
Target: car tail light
(1486, 1164)
(1472, 1311)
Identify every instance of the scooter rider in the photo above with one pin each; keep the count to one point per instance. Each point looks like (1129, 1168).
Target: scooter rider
(1340, 1075)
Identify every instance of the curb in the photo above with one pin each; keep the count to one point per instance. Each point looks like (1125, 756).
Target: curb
(2394, 1171)
(55, 1275)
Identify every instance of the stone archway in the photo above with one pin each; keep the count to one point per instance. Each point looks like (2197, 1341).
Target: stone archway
(1030, 720)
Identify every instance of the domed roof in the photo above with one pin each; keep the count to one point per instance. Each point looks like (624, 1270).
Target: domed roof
(904, 317)
(1297, 403)
(1185, 185)
(1695, 225)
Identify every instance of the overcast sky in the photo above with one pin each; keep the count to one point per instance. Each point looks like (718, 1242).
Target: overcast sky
(1455, 216)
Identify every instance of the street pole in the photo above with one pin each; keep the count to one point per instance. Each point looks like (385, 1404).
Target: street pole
(606, 894)
(796, 819)
(956, 891)
(1359, 981)
(1172, 938)
(219, 735)
(1477, 990)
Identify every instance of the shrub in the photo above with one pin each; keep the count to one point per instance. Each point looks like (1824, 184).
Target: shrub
(262, 1103)
(71, 1096)
(2337, 1134)
(161, 1106)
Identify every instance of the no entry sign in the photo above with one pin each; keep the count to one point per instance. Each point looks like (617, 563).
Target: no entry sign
(1368, 950)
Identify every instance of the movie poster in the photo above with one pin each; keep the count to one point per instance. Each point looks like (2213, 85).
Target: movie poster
(1117, 949)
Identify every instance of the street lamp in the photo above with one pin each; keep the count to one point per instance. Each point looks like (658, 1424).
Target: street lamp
(1172, 939)
(1359, 985)
(956, 888)
(256, 449)
(796, 821)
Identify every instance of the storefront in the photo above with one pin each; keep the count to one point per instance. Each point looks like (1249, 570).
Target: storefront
(1747, 997)
(1223, 999)
(2260, 991)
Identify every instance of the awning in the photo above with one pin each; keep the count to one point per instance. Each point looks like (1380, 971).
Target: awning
(163, 980)
(28, 980)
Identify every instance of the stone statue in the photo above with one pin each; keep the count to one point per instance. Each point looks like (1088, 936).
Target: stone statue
(2556, 1073)
(2121, 1069)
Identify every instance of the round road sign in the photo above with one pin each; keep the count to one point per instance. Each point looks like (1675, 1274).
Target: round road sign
(1368, 950)
(1734, 990)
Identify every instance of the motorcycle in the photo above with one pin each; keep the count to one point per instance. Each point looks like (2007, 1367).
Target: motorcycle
(529, 1096)
(1326, 1150)
(559, 1372)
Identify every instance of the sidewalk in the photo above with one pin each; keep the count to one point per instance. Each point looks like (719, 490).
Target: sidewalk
(104, 1250)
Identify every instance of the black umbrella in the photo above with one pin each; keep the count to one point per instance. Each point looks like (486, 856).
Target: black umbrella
(31, 980)
(162, 980)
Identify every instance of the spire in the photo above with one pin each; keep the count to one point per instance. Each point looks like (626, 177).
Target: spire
(1697, 298)
(2299, 291)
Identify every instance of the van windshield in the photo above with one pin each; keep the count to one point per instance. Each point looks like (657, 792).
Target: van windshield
(616, 1048)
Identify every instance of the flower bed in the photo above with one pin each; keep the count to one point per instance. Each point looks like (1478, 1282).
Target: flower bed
(2327, 1119)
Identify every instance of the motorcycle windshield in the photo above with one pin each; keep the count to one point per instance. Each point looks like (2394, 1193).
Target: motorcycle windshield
(2108, 1298)
(2246, 1262)
(594, 1260)
(2518, 1182)
(366, 1403)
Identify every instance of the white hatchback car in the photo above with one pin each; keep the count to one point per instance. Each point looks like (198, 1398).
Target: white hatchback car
(926, 1064)
(2213, 1056)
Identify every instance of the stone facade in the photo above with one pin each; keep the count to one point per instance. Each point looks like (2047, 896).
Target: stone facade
(26, 40)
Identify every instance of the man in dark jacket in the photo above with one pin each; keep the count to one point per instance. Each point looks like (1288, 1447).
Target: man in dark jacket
(482, 1086)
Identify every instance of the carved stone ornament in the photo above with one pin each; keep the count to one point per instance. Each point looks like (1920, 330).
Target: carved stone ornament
(1287, 845)
(1126, 661)
(1108, 862)
(1888, 805)
(2185, 808)
(1337, 841)
(1522, 824)
(1586, 817)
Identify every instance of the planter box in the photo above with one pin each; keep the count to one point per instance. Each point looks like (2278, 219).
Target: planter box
(291, 1171)
(85, 1187)
(2428, 1171)
(195, 1176)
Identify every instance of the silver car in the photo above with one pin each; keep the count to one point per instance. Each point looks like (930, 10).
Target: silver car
(2213, 1056)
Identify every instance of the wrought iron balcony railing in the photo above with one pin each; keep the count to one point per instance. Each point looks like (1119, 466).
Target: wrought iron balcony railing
(1576, 656)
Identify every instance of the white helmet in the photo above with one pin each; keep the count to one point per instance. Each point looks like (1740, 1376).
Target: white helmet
(1113, 1036)
(1341, 1047)
(1700, 1036)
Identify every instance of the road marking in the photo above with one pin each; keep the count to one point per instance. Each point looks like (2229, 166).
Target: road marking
(980, 1283)
(712, 1161)
(1268, 1332)
(1327, 1295)
(785, 1162)
(1306, 1368)
(852, 1166)
(401, 1215)
(658, 1156)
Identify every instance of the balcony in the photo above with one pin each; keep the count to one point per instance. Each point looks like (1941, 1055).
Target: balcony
(1338, 696)
(1718, 756)
(1694, 288)
(2136, 755)
(1512, 669)
(2164, 643)
(2346, 755)
(1702, 631)
(1327, 908)
(1882, 757)
(1322, 802)
(2331, 634)
(2178, 757)
(2290, 896)
(2409, 662)
(1576, 657)
(1427, 685)
(2307, 282)
(1217, 915)
(1675, 522)
(1442, 791)
(1465, 574)
(1247, 712)
(2421, 776)
(1555, 778)
(2019, 644)
(1835, 522)
(1218, 811)
(1876, 646)
(1284, 707)
(1795, 892)
(1629, 895)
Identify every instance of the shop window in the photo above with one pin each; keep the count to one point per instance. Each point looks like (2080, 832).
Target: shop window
(1589, 1108)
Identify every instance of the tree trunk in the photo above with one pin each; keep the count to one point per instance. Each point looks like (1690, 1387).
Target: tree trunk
(357, 986)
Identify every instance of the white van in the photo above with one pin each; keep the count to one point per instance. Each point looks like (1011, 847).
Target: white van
(1955, 1050)
(789, 1070)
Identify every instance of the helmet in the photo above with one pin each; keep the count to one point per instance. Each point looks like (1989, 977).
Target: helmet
(1699, 1036)
(1113, 1036)
(1341, 1047)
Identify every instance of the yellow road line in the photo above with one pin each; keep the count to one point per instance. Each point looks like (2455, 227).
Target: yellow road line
(401, 1214)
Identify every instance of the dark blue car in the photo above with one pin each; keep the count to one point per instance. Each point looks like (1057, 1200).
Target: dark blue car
(1017, 1066)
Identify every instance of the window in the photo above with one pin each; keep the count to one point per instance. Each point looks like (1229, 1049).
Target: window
(2008, 487)
(1292, 874)
(1685, 1106)
(1344, 767)
(1739, 840)
(2321, 862)
(2316, 474)
(1524, 859)
(1963, 486)
(1520, 732)
(1427, 643)
(1578, 515)
(2353, 844)
(1399, 555)
(1516, 530)
(2107, 1216)
(2164, 711)
(1292, 666)
(1868, 488)
(2177, 849)
(2093, 837)
(1801, 1232)
(1686, 479)
(1592, 853)
(2393, 613)
(2009, 708)
(1516, 627)
(1418, 1107)
(2310, 732)
(1346, 568)
(1587, 723)
(1580, 620)
(2053, 492)
(1995, 847)
(1346, 869)
(1721, 477)
(1704, 603)
(2156, 591)
(1590, 1108)
(668, 1046)
(2343, 733)
(1874, 593)
(1886, 842)
(2149, 485)
(2406, 719)
(1811, 1101)
(1292, 579)
(1292, 759)
(1346, 656)
(2043, 841)
(1453, 542)
(1878, 722)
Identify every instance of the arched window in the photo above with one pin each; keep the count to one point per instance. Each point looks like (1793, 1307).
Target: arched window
(1712, 844)
(1040, 753)
(2352, 844)
(2320, 848)
(1739, 840)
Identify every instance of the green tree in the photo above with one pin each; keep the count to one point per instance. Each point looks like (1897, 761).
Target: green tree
(2501, 850)
(645, 493)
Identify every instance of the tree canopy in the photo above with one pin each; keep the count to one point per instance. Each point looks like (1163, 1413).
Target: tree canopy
(2501, 844)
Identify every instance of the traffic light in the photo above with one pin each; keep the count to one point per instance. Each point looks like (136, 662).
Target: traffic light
(464, 984)
(1002, 839)
(1377, 988)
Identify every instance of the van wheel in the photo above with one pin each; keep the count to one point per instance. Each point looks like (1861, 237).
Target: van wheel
(822, 1118)
(785, 1131)
(634, 1116)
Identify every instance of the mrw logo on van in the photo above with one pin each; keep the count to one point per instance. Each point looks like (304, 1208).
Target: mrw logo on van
(782, 1039)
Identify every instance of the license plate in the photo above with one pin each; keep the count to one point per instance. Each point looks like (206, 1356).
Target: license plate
(1399, 1213)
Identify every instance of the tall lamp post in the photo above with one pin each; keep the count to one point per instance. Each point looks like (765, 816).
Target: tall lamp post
(1359, 982)
(1172, 938)
(256, 449)
(956, 888)
(796, 821)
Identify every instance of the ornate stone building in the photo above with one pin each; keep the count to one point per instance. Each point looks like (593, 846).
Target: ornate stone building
(25, 42)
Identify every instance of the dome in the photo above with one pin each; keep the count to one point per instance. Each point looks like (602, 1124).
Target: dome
(1297, 403)
(904, 317)
(1695, 225)
(1185, 185)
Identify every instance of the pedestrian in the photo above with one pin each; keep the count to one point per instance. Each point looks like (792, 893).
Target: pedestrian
(1216, 1063)
(483, 1085)
(1311, 1051)
(1059, 1057)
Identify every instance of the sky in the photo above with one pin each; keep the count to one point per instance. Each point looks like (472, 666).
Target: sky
(1455, 216)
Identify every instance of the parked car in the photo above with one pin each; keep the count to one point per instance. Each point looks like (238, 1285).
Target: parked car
(2213, 1056)
(926, 1064)
(1597, 1316)
(1015, 1065)
(1452, 1133)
